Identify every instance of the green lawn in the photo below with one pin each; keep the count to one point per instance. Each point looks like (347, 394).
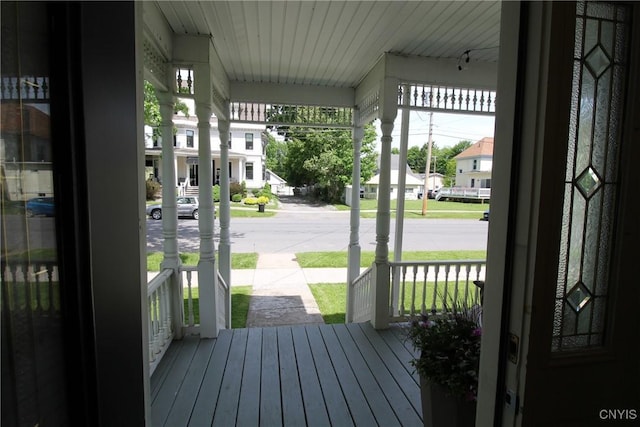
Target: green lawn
(239, 261)
(332, 300)
(338, 259)
(240, 297)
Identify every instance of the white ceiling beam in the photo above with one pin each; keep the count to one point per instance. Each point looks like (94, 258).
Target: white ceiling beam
(414, 69)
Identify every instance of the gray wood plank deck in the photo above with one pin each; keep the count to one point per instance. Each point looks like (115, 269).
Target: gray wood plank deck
(306, 375)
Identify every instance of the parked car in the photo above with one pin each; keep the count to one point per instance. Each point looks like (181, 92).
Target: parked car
(187, 206)
(485, 215)
(40, 206)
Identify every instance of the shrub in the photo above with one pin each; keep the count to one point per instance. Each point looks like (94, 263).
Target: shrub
(263, 200)
(236, 198)
(152, 189)
(251, 201)
(216, 193)
(235, 188)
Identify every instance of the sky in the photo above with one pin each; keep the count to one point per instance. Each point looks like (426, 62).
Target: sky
(448, 128)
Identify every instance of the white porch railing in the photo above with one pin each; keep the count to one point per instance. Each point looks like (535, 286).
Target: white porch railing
(472, 193)
(161, 313)
(160, 317)
(418, 287)
(360, 297)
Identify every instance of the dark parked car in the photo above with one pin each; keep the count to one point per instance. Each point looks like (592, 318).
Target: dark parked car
(187, 207)
(485, 215)
(40, 206)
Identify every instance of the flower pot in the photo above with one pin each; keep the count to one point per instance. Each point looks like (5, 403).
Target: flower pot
(442, 410)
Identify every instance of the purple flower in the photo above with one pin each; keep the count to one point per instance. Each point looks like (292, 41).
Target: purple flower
(476, 332)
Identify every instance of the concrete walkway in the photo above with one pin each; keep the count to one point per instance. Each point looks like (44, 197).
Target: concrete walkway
(280, 294)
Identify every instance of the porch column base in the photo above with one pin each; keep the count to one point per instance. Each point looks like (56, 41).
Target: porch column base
(207, 285)
(380, 296)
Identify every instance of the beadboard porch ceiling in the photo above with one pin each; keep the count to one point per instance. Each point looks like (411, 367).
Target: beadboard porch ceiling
(334, 43)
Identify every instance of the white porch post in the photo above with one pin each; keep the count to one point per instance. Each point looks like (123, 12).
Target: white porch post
(388, 112)
(169, 209)
(207, 271)
(402, 181)
(224, 248)
(353, 269)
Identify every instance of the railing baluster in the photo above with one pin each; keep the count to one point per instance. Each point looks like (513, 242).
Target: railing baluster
(423, 308)
(435, 288)
(413, 291)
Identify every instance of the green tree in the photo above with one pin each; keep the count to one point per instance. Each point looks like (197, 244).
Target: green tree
(276, 155)
(324, 158)
(152, 108)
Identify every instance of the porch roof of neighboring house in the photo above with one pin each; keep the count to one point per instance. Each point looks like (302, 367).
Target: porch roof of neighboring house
(482, 148)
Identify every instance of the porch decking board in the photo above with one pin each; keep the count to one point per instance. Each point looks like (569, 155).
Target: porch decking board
(314, 406)
(270, 403)
(358, 405)
(336, 404)
(375, 392)
(190, 387)
(205, 404)
(173, 381)
(306, 375)
(250, 388)
(292, 408)
(405, 352)
(393, 378)
(227, 407)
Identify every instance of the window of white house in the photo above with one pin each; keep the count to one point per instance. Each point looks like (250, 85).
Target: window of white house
(248, 138)
(190, 135)
(475, 164)
(230, 139)
(249, 170)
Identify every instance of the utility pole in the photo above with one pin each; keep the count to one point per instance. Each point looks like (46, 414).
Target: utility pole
(427, 166)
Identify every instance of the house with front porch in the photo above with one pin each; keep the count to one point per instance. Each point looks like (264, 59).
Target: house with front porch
(247, 144)
(474, 165)
(88, 341)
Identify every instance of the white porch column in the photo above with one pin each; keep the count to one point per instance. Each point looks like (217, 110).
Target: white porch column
(402, 181)
(169, 209)
(224, 248)
(207, 271)
(353, 269)
(381, 293)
